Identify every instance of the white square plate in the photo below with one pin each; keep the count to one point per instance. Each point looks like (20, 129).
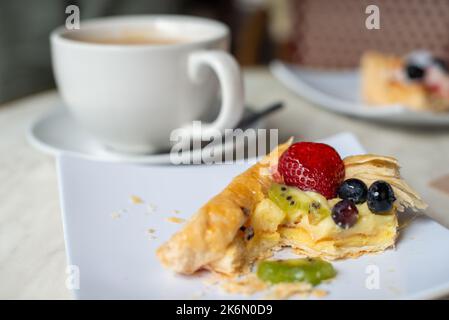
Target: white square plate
(116, 255)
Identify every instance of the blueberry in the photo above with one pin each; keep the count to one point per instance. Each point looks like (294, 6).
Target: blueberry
(414, 72)
(354, 190)
(441, 63)
(380, 197)
(345, 214)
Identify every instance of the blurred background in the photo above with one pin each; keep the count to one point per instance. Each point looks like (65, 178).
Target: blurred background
(308, 32)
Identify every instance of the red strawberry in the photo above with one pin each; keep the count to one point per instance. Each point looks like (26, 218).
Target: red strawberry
(312, 167)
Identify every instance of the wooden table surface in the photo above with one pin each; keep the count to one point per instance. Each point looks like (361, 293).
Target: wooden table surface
(32, 254)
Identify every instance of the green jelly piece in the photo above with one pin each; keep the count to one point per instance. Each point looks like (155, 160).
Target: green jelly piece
(312, 271)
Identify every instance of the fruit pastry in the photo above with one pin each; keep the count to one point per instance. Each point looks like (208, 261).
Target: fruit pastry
(419, 81)
(302, 196)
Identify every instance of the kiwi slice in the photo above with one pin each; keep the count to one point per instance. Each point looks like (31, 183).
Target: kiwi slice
(294, 202)
(319, 207)
(313, 271)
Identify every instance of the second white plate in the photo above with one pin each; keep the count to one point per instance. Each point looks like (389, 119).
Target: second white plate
(339, 91)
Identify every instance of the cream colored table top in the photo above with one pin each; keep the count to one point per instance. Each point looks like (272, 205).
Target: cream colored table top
(32, 254)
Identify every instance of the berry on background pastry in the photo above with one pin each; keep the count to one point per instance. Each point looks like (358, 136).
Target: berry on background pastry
(302, 196)
(419, 81)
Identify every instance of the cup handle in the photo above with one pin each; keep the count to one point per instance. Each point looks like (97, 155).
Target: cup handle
(229, 76)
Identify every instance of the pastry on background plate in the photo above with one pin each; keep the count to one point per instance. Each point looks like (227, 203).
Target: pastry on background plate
(302, 196)
(419, 81)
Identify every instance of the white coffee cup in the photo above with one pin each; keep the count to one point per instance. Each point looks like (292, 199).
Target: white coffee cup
(132, 96)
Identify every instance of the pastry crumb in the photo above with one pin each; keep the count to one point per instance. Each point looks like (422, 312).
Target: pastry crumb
(176, 220)
(250, 284)
(246, 285)
(115, 215)
(319, 293)
(197, 295)
(394, 289)
(212, 280)
(150, 233)
(135, 199)
(151, 208)
(289, 290)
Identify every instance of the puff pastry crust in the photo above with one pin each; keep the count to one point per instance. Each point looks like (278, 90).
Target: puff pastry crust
(208, 238)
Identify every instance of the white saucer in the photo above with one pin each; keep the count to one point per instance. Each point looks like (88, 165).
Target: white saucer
(57, 133)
